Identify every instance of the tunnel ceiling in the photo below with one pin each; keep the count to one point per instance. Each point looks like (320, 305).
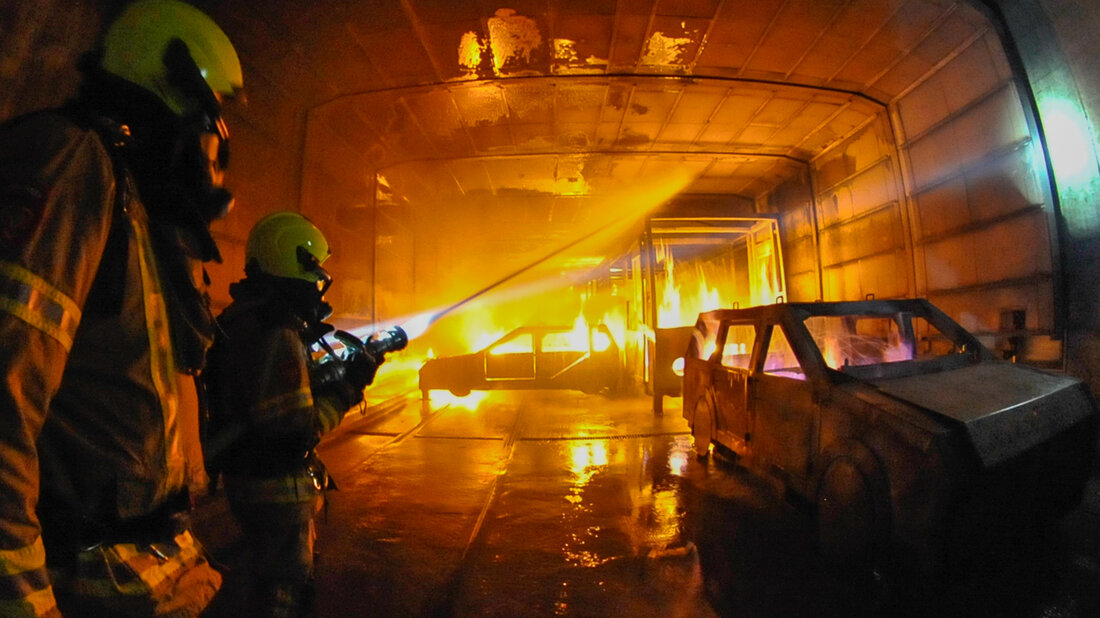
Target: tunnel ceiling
(573, 98)
(576, 135)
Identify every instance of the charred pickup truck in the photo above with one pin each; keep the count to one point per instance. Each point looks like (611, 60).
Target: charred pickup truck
(899, 429)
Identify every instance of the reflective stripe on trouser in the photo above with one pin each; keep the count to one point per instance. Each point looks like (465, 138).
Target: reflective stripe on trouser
(24, 583)
(164, 578)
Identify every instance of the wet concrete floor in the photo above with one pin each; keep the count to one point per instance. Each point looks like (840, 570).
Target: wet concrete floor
(555, 503)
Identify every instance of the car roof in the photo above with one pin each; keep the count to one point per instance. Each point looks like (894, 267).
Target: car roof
(540, 329)
(825, 308)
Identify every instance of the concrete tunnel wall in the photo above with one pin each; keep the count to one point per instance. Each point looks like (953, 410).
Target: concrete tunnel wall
(926, 183)
(939, 197)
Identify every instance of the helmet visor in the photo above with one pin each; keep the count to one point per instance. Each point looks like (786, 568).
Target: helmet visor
(311, 264)
(187, 77)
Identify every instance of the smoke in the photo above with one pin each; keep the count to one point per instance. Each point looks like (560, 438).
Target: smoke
(499, 290)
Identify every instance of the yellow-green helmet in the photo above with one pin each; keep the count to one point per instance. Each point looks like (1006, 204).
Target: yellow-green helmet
(286, 244)
(137, 44)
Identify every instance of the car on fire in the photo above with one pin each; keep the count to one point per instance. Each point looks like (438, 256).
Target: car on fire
(899, 430)
(531, 357)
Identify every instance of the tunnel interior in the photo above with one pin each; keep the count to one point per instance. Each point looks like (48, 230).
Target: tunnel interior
(480, 167)
(891, 144)
(519, 153)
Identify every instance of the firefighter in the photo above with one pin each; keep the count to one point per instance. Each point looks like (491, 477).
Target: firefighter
(105, 207)
(271, 401)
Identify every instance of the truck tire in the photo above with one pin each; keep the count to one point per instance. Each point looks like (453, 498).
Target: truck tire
(852, 506)
(702, 426)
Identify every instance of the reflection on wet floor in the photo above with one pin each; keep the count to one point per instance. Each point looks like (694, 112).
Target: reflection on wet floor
(546, 504)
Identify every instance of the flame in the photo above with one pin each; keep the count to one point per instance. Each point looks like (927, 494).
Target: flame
(578, 337)
(694, 277)
(683, 300)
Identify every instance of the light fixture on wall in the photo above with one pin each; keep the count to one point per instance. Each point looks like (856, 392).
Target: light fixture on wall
(1070, 144)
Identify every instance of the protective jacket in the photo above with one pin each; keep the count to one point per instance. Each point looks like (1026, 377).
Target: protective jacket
(94, 443)
(260, 391)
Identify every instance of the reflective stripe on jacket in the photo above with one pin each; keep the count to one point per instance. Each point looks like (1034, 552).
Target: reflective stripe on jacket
(258, 377)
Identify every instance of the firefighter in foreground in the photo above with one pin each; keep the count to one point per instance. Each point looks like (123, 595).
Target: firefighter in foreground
(105, 207)
(271, 402)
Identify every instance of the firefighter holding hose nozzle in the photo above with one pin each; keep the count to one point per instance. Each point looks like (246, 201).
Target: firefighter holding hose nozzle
(270, 402)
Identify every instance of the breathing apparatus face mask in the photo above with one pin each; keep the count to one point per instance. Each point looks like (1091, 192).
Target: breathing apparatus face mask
(202, 152)
(313, 292)
(199, 169)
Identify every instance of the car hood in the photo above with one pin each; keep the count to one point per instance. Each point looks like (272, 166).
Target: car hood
(1006, 408)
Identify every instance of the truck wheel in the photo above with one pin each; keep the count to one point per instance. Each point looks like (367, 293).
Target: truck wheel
(459, 392)
(702, 426)
(852, 512)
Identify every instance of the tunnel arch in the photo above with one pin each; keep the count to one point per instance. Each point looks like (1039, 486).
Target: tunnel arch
(893, 160)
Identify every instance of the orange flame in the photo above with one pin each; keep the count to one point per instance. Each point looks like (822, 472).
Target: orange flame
(683, 301)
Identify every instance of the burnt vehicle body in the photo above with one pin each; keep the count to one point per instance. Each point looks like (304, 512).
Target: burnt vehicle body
(531, 357)
(892, 422)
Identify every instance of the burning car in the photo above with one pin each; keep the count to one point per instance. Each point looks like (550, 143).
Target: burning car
(531, 357)
(891, 421)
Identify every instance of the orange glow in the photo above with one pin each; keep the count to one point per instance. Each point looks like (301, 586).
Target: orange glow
(588, 459)
(512, 37)
(550, 290)
(576, 339)
(469, 53)
(485, 338)
(664, 50)
(470, 402)
(523, 344)
(678, 457)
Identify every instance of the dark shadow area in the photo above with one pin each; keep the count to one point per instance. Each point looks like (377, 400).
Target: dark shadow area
(758, 558)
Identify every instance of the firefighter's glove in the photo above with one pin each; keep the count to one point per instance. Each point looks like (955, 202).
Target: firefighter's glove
(360, 369)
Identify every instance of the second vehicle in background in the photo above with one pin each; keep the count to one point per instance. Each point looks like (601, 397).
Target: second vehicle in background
(531, 357)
